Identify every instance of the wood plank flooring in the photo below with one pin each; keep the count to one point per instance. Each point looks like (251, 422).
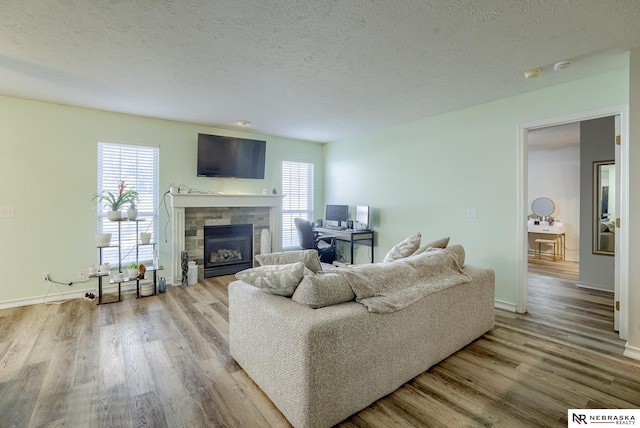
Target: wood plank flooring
(164, 361)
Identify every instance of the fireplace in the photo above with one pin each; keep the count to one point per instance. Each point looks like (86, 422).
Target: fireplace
(227, 249)
(190, 212)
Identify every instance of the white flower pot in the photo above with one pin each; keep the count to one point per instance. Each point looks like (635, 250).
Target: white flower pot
(145, 237)
(132, 274)
(103, 239)
(114, 215)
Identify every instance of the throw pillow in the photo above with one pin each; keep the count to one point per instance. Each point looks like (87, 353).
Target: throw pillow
(308, 257)
(281, 280)
(404, 248)
(323, 289)
(440, 243)
(458, 250)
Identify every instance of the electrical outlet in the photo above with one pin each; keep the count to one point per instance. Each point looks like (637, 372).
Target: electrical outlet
(472, 213)
(46, 276)
(82, 274)
(7, 212)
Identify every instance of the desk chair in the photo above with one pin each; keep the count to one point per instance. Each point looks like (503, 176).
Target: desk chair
(325, 246)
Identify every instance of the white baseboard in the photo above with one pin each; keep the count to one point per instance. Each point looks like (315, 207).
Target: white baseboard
(631, 352)
(499, 304)
(75, 294)
(598, 287)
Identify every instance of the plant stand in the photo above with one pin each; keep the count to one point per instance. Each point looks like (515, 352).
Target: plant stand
(150, 269)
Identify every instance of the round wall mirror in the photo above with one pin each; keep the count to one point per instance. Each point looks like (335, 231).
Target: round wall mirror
(542, 207)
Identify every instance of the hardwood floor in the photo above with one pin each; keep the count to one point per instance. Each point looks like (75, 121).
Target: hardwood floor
(164, 361)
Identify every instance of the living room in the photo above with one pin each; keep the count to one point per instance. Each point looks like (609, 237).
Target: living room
(419, 175)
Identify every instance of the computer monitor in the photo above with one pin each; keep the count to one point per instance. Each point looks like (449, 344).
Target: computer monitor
(337, 213)
(362, 216)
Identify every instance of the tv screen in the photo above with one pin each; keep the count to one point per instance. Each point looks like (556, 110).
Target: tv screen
(337, 213)
(230, 157)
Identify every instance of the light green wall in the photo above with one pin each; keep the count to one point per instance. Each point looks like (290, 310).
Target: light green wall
(48, 173)
(423, 176)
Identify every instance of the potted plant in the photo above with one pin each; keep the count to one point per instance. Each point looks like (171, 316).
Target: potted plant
(115, 202)
(132, 270)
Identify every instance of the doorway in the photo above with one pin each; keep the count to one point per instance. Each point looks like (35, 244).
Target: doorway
(621, 290)
(553, 224)
(553, 166)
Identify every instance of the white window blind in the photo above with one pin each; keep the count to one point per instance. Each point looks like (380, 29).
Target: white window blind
(137, 165)
(297, 188)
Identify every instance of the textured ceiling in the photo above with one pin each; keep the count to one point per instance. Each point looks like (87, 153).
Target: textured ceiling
(554, 137)
(318, 70)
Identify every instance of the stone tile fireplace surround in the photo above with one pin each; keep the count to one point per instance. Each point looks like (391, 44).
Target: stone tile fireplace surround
(190, 212)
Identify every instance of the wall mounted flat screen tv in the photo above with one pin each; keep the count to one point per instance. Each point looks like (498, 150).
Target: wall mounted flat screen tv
(230, 157)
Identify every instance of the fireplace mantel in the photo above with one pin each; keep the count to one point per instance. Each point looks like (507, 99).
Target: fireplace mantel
(195, 200)
(182, 201)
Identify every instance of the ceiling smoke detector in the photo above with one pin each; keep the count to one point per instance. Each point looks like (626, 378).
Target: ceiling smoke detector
(244, 123)
(532, 74)
(561, 65)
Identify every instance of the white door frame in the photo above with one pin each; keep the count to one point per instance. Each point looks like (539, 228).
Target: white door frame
(522, 208)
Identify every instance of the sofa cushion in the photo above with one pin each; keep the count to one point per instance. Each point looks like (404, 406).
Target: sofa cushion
(308, 257)
(458, 250)
(440, 243)
(404, 248)
(390, 287)
(323, 289)
(281, 280)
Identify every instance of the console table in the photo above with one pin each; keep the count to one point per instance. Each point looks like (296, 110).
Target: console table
(353, 237)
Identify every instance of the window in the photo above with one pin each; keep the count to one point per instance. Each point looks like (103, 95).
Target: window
(297, 188)
(137, 165)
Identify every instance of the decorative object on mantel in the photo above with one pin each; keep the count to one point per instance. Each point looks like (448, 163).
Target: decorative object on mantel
(185, 267)
(115, 203)
(265, 242)
(274, 191)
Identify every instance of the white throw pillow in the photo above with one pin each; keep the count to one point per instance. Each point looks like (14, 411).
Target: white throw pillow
(404, 248)
(281, 280)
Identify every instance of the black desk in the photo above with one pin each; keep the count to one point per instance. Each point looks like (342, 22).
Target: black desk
(360, 237)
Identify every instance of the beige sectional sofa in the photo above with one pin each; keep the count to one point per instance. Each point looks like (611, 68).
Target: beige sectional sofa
(319, 366)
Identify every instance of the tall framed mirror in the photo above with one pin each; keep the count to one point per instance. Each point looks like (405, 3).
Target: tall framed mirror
(604, 215)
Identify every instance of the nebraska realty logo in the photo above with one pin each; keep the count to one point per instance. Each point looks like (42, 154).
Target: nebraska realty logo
(600, 417)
